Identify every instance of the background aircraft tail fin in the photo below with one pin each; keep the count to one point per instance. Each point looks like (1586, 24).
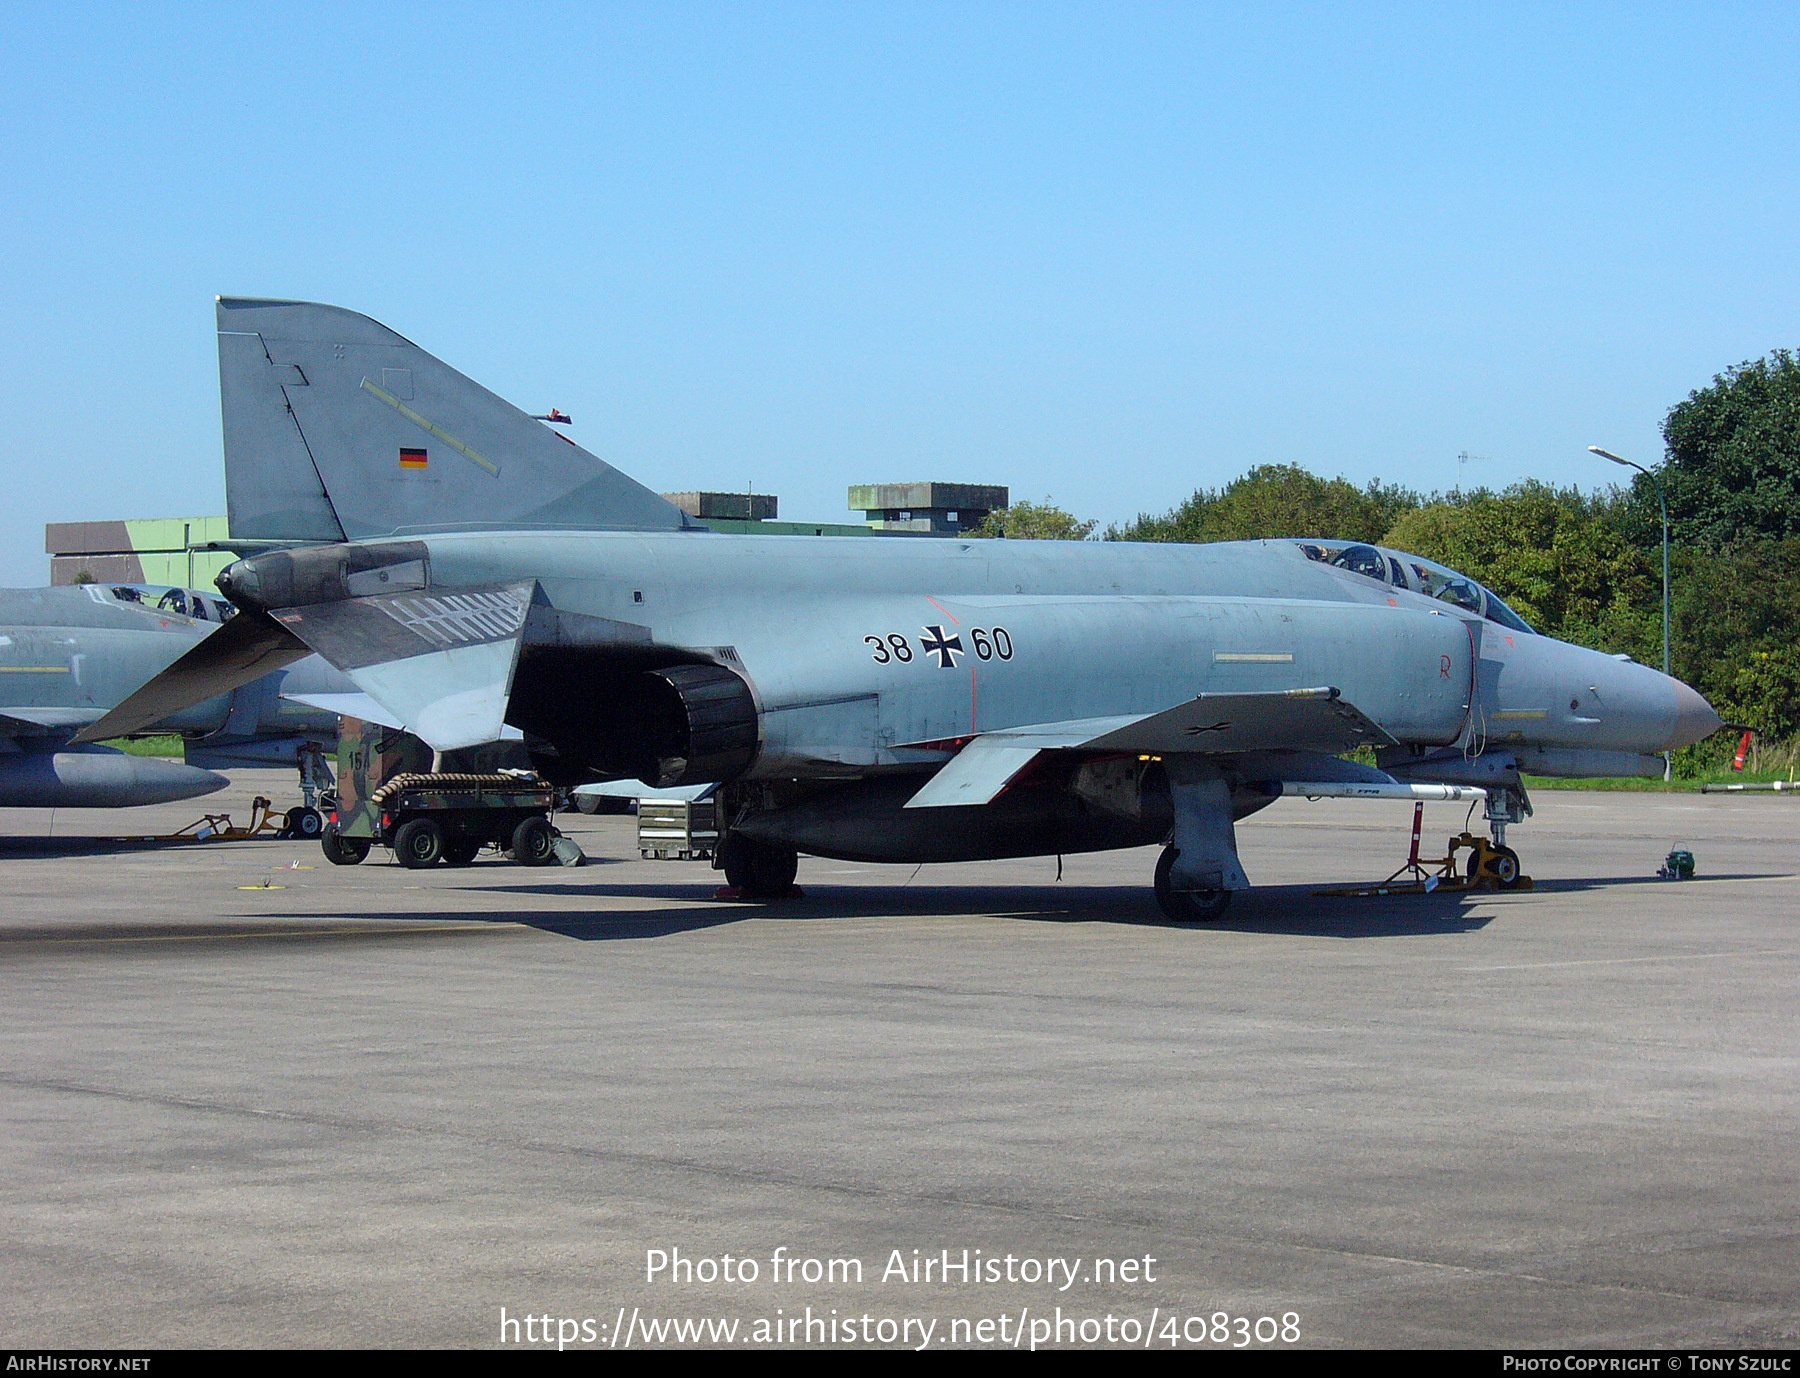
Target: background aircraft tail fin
(338, 429)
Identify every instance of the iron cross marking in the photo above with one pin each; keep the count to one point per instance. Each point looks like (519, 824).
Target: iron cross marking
(947, 649)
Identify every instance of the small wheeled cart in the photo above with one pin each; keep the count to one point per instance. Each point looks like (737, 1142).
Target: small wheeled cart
(427, 818)
(677, 829)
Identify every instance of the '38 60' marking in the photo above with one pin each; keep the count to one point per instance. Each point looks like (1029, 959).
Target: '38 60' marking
(988, 643)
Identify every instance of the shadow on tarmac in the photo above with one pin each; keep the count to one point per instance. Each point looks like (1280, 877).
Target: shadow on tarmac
(1276, 910)
(102, 846)
(1281, 911)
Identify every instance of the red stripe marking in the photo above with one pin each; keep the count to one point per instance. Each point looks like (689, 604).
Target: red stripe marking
(941, 608)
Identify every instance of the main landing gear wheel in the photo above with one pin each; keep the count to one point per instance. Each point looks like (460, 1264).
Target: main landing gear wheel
(340, 850)
(1187, 906)
(1498, 864)
(419, 844)
(758, 870)
(303, 822)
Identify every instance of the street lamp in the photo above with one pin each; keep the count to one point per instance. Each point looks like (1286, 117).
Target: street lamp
(1668, 758)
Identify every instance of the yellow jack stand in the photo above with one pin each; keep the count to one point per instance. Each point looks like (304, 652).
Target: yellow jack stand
(1487, 868)
(218, 827)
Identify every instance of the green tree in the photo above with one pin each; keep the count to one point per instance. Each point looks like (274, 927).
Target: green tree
(1737, 631)
(1556, 555)
(1731, 474)
(1764, 692)
(1273, 501)
(1034, 521)
(1732, 468)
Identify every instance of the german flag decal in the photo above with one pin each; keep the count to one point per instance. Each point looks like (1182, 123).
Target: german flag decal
(413, 459)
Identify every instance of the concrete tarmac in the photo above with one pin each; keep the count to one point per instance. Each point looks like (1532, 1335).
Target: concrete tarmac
(252, 1099)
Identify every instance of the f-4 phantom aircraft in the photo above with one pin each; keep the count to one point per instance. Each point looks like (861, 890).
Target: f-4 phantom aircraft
(896, 700)
(68, 654)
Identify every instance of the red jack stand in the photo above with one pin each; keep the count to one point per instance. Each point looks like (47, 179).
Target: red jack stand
(1414, 868)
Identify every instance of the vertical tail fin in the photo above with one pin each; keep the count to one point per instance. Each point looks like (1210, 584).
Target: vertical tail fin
(338, 429)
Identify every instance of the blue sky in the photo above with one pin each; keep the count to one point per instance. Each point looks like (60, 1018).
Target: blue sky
(1106, 253)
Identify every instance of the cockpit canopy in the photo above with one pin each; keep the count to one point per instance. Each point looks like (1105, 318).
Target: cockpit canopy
(186, 602)
(1417, 575)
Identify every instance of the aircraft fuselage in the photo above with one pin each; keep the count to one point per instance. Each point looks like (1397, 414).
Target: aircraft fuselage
(868, 654)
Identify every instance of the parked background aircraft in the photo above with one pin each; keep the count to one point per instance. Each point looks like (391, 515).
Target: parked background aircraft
(68, 654)
(916, 701)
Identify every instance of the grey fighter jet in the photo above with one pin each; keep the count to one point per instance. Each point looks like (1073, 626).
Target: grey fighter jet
(69, 654)
(905, 700)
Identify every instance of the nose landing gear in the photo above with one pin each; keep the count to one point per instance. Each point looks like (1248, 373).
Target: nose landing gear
(1496, 866)
(1496, 863)
(1489, 865)
(1505, 804)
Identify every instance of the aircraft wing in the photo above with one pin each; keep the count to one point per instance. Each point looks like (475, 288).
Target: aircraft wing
(1290, 720)
(35, 722)
(248, 647)
(1310, 720)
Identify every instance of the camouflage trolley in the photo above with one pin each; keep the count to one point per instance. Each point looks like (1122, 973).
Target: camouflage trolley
(427, 817)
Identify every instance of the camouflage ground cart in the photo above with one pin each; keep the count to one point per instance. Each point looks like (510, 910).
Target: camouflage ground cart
(426, 818)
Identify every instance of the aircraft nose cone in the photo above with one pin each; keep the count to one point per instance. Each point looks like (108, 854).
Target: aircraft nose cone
(1694, 717)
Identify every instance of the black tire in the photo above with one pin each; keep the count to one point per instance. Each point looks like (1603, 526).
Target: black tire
(340, 850)
(758, 870)
(534, 842)
(304, 822)
(461, 851)
(1187, 906)
(1502, 867)
(419, 844)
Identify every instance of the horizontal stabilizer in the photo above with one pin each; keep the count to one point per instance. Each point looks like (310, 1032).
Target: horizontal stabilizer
(251, 645)
(439, 665)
